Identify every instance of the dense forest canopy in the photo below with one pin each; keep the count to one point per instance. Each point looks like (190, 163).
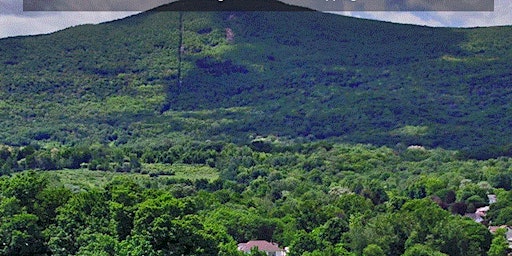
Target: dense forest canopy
(237, 75)
(186, 133)
(315, 198)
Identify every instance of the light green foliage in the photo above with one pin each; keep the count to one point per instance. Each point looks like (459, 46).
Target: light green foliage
(229, 249)
(20, 229)
(84, 84)
(422, 250)
(373, 250)
(135, 245)
(499, 244)
(85, 214)
(21, 235)
(461, 236)
(182, 171)
(97, 244)
(316, 198)
(412, 131)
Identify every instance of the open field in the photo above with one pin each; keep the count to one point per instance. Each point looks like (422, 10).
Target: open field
(84, 179)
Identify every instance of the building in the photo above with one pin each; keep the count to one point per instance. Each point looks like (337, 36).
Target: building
(272, 249)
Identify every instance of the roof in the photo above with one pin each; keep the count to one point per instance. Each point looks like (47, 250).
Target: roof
(482, 210)
(509, 235)
(261, 244)
(476, 217)
(493, 229)
(492, 198)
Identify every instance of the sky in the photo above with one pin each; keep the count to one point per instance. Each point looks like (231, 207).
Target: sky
(14, 21)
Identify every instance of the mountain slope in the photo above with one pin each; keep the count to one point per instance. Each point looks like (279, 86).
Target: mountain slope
(235, 75)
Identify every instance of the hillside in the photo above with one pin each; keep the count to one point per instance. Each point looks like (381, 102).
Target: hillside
(187, 133)
(235, 75)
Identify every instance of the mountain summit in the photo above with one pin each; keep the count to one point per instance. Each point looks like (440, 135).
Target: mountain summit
(229, 5)
(234, 75)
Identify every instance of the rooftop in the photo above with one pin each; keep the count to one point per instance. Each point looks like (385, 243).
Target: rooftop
(261, 244)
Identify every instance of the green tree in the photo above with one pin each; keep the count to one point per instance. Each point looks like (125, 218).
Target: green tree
(25, 187)
(124, 195)
(502, 180)
(422, 250)
(20, 235)
(304, 242)
(164, 204)
(184, 236)
(84, 213)
(388, 231)
(172, 228)
(461, 236)
(229, 249)
(244, 225)
(502, 216)
(373, 250)
(134, 246)
(469, 190)
(423, 215)
(97, 244)
(332, 231)
(48, 201)
(312, 214)
(499, 244)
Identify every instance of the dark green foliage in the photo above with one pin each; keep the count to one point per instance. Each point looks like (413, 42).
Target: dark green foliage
(185, 236)
(461, 236)
(373, 250)
(422, 250)
(502, 180)
(97, 244)
(304, 242)
(25, 188)
(355, 201)
(85, 214)
(332, 231)
(20, 235)
(262, 102)
(244, 225)
(301, 75)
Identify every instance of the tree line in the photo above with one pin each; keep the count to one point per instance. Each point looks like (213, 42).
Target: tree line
(315, 198)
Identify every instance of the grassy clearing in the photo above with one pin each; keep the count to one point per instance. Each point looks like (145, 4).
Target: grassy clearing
(84, 179)
(182, 171)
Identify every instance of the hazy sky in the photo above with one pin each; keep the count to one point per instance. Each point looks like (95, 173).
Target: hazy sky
(14, 21)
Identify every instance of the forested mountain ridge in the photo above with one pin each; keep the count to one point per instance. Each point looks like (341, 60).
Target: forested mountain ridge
(235, 75)
(186, 133)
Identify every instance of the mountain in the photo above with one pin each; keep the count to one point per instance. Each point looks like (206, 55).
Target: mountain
(234, 75)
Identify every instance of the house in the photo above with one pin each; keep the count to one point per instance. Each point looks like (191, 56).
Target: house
(479, 214)
(272, 249)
